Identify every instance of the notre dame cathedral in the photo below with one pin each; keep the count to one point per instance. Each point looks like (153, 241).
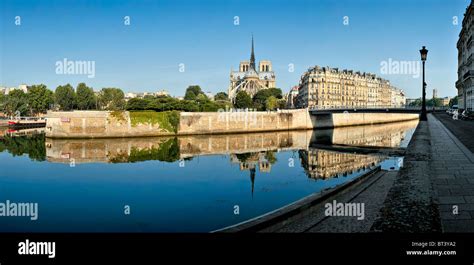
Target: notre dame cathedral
(251, 79)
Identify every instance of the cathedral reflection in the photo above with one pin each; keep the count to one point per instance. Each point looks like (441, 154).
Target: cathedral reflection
(255, 153)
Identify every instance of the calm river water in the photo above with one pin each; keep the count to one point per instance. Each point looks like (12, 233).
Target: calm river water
(184, 184)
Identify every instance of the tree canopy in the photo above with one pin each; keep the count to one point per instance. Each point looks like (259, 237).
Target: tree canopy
(243, 100)
(453, 101)
(111, 99)
(65, 97)
(85, 97)
(192, 92)
(221, 96)
(40, 98)
(16, 101)
(260, 99)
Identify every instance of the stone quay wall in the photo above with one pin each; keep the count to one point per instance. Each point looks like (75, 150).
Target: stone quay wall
(104, 124)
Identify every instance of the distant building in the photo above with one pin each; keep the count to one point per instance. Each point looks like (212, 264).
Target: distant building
(162, 93)
(398, 98)
(291, 97)
(410, 100)
(23, 88)
(249, 78)
(465, 82)
(130, 95)
(6, 90)
(325, 87)
(435, 93)
(445, 101)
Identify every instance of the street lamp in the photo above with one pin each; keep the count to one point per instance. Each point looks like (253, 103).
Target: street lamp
(423, 53)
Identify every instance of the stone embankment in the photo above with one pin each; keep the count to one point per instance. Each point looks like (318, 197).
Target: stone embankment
(104, 124)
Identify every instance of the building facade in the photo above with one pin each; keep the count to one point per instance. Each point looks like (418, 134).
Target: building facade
(6, 90)
(291, 97)
(325, 87)
(465, 82)
(445, 101)
(435, 93)
(398, 98)
(251, 79)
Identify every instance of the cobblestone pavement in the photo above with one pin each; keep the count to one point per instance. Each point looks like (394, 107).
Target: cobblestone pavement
(463, 130)
(452, 174)
(433, 191)
(370, 192)
(410, 205)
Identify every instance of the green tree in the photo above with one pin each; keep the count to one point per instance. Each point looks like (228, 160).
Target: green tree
(65, 97)
(276, 92)
(221, 96)
(416, 103)
(85, 97)
(40, 99)
(137, 104)
(111, 99)
(453, 101)
(243, 100)
(282, 104)
(3, 99)
(260, 98)
(192, 92)
(434, 102)
(190, 95)
(271, 103)
(16, 101)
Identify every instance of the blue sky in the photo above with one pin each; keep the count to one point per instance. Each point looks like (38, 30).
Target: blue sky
(145, 56)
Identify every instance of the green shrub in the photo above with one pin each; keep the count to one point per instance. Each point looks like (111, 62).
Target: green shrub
(167, 120)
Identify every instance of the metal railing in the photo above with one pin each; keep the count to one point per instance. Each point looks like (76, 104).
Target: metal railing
(375, 107)
(28, 119)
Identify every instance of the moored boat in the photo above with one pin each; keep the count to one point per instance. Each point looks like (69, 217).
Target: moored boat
(27, 122)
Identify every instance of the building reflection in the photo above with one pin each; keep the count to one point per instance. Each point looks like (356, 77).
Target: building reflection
(250, 162)
(254, 152)
(324, 164)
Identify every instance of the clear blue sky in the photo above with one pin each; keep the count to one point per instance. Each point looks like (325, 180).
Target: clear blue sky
(145, 56)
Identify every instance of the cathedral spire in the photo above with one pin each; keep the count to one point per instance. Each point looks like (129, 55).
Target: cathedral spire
(252, 58)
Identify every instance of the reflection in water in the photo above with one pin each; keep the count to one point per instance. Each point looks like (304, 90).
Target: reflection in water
(250, 151)
(32, 145)
(147, 172)
(328, 164)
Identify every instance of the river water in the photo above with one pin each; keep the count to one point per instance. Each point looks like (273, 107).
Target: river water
(184, 184)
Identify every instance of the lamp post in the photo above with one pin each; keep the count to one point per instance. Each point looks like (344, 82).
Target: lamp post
(423, 53)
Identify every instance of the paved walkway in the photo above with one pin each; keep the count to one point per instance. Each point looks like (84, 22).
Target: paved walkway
(452, 175)
(410, 206)
(370, 192)
(463, 130)
(433, 191)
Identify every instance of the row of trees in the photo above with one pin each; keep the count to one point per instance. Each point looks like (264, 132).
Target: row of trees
(434, 102)
(39, 99)
(265, 99)
(194, 100)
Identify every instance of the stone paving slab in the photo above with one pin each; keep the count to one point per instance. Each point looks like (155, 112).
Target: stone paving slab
(452, 175)
(463, 130)
(410, 205)
(371, 192)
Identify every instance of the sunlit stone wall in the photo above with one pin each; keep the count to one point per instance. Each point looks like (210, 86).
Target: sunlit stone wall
(102, 124)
